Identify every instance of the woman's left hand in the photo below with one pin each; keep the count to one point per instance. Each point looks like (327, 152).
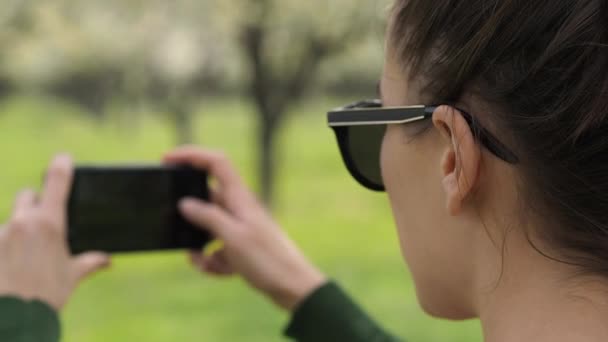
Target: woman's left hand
(254, 245)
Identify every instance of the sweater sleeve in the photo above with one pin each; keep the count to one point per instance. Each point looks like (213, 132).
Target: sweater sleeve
(27, 321)
(328, 314)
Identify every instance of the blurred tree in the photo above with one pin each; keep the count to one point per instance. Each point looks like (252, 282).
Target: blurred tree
(49, 51)
(134, 54)
(155, 56)
(14, 19)
(184, 60)
(284, 44)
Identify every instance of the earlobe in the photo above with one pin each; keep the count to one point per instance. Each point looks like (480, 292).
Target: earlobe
(461, 159)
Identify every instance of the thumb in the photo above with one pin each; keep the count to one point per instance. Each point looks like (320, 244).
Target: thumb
(207, 216)
(89, 263)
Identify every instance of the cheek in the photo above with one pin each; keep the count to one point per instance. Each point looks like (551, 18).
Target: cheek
(430, 245)
(407, 177)
(404, 177)
(412, 175)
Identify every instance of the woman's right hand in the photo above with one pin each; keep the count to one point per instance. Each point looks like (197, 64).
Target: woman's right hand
(35, 262)
(254, 246)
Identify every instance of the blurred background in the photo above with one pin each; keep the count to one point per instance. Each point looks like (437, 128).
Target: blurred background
(119, 81)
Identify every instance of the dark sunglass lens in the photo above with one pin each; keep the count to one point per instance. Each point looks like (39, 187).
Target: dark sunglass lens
(364, 144)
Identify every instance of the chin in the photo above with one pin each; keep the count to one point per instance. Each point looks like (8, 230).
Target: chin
(441, 305)
(447, 313)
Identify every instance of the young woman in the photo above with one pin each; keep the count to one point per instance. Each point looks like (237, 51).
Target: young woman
(491, 140)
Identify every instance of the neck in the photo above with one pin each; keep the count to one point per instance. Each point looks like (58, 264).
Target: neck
(537, 299)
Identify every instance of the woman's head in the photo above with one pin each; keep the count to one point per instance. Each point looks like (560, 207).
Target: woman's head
(535, 73)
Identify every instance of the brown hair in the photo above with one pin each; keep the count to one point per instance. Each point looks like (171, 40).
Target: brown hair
(542, 67)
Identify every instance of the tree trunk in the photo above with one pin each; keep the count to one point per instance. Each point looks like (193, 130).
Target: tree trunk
(267, 159)
(184, 131)
(180, 113)
(5, 88)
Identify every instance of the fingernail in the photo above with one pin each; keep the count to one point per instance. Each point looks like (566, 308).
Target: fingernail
(63, 159)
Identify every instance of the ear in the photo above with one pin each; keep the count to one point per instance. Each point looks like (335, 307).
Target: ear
(461, 159)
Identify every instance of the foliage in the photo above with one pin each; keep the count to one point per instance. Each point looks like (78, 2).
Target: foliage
(48, 41)
(139, 55)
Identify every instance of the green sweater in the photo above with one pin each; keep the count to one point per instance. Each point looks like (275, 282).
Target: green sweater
(328, 314)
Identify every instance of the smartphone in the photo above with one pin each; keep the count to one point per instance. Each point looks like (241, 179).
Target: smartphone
(133, 208)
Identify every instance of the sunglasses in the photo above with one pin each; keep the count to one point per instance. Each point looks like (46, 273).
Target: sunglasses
(360, 129)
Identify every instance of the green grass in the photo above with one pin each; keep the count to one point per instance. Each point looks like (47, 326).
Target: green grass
(346, 230)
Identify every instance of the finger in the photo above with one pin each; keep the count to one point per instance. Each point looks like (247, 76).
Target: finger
(217, 270)
(201, 263)
(220, 258)
(217, 165)
(57, 185)
(208, 216)
(24, 202)
(215, 162)
(89, 263)
(196, 258)
(217, 197)
(217, 264)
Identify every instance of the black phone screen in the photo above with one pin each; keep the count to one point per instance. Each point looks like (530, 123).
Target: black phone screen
(127, 209)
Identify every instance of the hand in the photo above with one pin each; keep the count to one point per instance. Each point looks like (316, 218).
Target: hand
(254, 245)
(34, 259)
